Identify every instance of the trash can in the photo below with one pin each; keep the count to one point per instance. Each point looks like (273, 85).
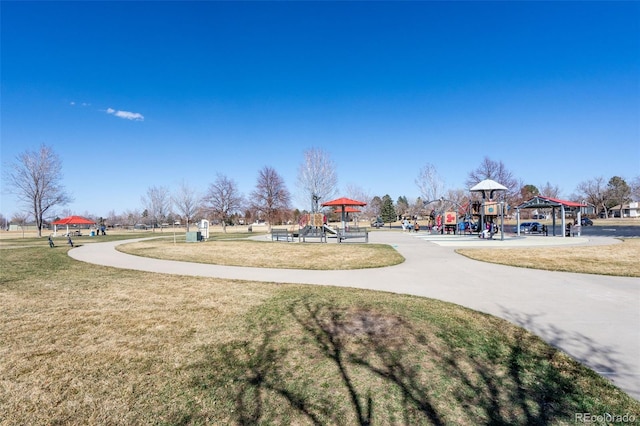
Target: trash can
(93, 233)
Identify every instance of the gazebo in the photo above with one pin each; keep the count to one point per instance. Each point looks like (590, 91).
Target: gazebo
(344, 203)
(540, 202)
(71, 220)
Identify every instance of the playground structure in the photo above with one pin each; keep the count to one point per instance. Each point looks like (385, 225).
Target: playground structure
(445, 215)
(490, 207)
(315, 226)
(449, 216)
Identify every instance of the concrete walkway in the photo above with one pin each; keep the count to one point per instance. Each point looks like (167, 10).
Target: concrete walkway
(593, 318)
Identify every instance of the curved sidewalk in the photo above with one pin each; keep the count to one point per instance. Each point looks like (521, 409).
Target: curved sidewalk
(594, 318)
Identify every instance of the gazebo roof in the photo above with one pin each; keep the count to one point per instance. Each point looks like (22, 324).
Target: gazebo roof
(344, 202)
(540, 202)
(73, 220)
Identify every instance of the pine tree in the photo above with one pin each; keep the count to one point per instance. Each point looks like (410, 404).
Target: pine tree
(388, 212)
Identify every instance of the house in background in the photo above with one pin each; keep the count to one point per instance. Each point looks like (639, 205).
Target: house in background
(628, 210)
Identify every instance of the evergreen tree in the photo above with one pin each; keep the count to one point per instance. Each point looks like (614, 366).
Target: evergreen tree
(619, 192)
(388, 212)
(529, 191)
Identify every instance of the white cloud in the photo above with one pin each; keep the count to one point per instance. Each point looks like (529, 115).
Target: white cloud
(135, 116)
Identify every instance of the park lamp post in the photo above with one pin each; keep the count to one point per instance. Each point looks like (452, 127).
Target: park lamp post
(502, 219)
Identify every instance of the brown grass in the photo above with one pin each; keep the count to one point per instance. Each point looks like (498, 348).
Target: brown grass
(615, 259)
(270, 254)
(91, 345)
(84, 344)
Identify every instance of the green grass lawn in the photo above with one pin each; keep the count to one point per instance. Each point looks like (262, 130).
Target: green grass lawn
(85, 344)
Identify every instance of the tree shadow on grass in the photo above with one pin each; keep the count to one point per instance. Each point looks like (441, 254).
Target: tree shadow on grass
(354, 365)
(603, 360)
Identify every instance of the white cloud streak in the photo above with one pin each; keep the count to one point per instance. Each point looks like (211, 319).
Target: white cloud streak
(135, 116)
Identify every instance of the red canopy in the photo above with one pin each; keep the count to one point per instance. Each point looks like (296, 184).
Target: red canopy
(73, 220)
(348, 210)
(344, 202)
(565, 202)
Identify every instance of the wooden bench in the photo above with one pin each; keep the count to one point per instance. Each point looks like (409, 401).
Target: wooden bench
(353, 233)
(281, 234)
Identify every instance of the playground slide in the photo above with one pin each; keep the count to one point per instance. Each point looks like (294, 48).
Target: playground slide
(330, 229)
(304, 231)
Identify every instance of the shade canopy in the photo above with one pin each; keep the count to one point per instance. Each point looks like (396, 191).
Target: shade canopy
(488, 185)
(344, 203)
(339, 202)
(541, 202)
(348, 209)
(73, 220)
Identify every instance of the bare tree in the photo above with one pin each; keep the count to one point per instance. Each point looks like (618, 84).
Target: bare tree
(64, 213)
(430, 183)
(417, 207)
(459, 198)
(112, 218)
(317, 179)
(186, 202)
(21, 219)
(223, 199)
(131, 218)
(551, 191)
(157, 203)
(494, 170)
(595, 192)
(36, 179)
(270, 196)
(375, 206)
(635, 188)
(355, 192)
(402, 206)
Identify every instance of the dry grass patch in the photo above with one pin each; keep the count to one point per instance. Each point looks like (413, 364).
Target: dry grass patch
(615, 259)
(85, 344)
(92, 345)
(261, 254)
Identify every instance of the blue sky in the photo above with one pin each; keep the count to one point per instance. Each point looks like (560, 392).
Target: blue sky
(138, 94)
